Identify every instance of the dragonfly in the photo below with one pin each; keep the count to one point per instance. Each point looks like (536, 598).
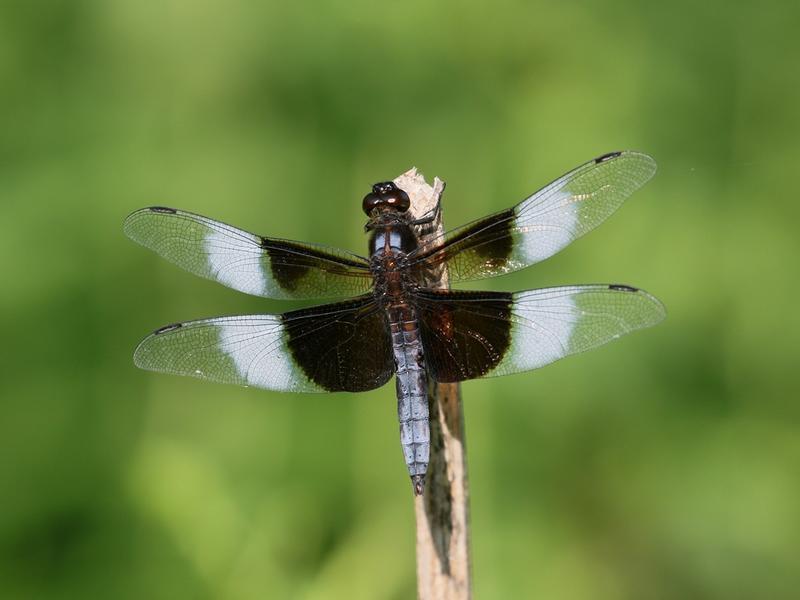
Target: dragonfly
(389, 319)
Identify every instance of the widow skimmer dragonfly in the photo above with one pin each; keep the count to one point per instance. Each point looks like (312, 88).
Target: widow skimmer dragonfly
(394, 322)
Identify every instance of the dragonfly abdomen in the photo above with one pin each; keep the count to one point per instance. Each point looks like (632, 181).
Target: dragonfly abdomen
(412, 392)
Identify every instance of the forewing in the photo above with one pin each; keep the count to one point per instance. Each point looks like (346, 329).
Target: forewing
(330, 348)
(542, 224)
(247, 262)
(485, 334)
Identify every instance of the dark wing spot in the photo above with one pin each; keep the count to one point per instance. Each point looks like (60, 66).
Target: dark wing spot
(163, 209)
(605, 157)
(343, 346)
(167, 328)
(490, 238)
(464, 334)
(621, 287)
(290, 262)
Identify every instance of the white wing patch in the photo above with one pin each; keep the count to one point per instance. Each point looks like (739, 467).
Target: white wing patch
(262, 360)
(223, 257)
(540, 333)
(544, 238)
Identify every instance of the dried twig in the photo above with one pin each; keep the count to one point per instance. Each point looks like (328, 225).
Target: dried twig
(443, 563)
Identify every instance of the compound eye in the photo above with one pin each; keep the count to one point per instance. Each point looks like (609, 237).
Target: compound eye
(371, 201)
(399, 200)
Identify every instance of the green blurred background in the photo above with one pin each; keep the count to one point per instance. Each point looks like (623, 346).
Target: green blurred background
(666, 465)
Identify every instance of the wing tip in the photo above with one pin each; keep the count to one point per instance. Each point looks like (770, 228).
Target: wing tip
(129, 224)
(141, 353)
(164, 210)
(648, 162)
(659, 312)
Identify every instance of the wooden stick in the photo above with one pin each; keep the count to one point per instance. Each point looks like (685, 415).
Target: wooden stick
(442, 513)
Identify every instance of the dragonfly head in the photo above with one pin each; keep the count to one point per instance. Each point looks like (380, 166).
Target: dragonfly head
(385, 196)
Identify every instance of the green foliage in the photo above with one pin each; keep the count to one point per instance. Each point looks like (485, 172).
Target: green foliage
(664, 465)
